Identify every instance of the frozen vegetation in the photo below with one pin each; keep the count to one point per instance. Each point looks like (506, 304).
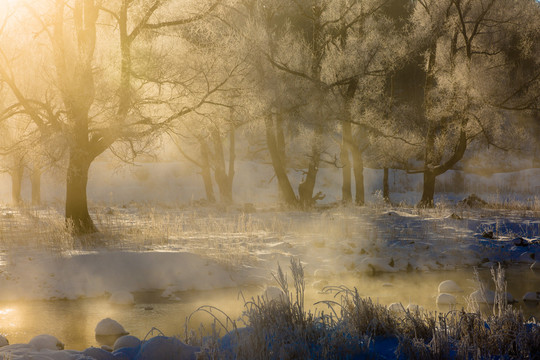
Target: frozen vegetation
(174, 250)
(178, 153)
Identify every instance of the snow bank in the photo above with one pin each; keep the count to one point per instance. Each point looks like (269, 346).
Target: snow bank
(160, 347)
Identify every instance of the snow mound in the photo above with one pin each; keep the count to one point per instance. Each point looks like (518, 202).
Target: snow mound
(488, 297)
(532, 297)
(273, 293)
(446, 299)
(126, 341)
(122, 298)
(108, 326)
(449, 286)
(98, 354)
(3, 341)
(46, 342)
(396, 307)
(483, 297)
(414, 308)
(162, 347)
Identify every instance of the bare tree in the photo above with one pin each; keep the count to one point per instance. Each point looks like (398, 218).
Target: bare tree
(99, 102)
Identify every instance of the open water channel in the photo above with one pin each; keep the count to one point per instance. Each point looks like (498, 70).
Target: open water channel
(73, 321)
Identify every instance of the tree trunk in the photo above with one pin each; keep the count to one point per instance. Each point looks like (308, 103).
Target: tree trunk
(348, 147)
(280, 142)
(386, 187)
(35, 179)
(431, 172)
(16, 184)
(232, 158)
(346, 141)
(205, 172)
(305, 189)
(428, 191)
(358, 168)
(222, 180)
(76, 202)
(279, 166)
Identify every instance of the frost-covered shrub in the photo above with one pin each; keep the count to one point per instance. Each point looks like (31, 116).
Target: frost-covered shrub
(355, 327)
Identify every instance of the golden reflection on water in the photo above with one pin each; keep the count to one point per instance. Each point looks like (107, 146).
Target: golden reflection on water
(8, 319)
(73, 322)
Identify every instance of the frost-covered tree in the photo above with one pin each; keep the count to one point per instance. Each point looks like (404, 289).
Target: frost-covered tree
(310, 57)
(465, 58)
(212, 129)
(95, 52)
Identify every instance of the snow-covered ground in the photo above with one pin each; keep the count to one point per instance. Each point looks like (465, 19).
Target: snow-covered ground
(172, 250)
(154, 241)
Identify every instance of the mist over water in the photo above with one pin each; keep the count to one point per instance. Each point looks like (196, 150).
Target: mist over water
(74, 321)
(174, 154)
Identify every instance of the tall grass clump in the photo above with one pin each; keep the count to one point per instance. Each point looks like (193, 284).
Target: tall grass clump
(354, 327)
(503, 334)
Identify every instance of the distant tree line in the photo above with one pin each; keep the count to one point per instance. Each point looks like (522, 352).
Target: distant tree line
(402, 84)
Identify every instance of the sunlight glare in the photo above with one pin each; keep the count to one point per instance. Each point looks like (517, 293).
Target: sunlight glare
(6, 311)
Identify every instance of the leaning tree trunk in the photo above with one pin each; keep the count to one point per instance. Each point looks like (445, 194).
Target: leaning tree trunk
(431, 172)
(16, 184)
(77, 214)
(428, 191)
(35, 180)
(278, 164)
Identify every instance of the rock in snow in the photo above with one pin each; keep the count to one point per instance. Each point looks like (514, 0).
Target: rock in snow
(446, 299)
(46, 342)
(122, 298)
(108, 326)
(449, 286)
